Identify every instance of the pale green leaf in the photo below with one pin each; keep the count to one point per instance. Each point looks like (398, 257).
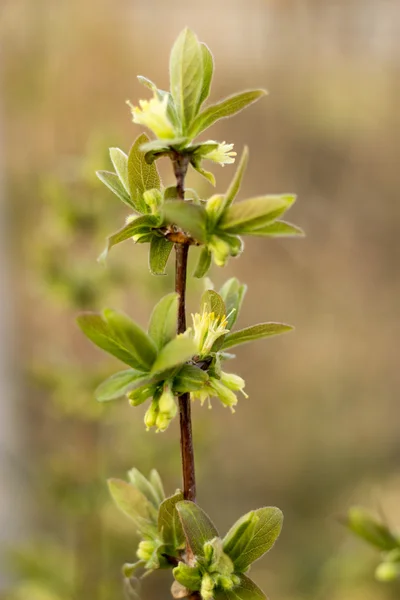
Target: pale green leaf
(175, 353)
(189, 379)
(363, 524)
(212, 302)
(236, 182)
(255, 212)
(140, 482)
(169, 523)
(113, 182)
(197, 526)
(118, 385)
(244, 545)
(100, 333)
(132, 337)
(137, 226)
(203, 263)
(157, 484)
(206, 174)
(223, 109)
(186, 76)
(133, 504)
(246, 590)
(162, 326)
(120, 161)
(160, 249)
(255, 332)
(141, 175)
(208, 69)
(232, 293)
(191, 218)
(277, 229)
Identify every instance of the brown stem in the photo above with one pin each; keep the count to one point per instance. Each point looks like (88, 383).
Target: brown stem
(180, 164)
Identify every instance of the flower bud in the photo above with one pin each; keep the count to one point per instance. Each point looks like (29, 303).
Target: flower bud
(226, 396)
(167, 409)
(153, 199)
(220, 250)
(150, 418)
(207, 586)
(145, 550)
(233, 382)
(387, 571)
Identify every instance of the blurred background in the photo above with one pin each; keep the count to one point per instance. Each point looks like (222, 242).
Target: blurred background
(320, 430)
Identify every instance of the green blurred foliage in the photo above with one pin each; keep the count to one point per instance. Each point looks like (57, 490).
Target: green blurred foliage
(325, 432)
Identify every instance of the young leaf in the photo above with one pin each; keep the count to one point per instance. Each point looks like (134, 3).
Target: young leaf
(246, 590)
(132, 337)
(197, 526)
(255, 332)
(189, 379)
(113, 182)
(141, 175)
(244, 545)
(204, 263)
(226, 108)
(160, 249)
(120, 161)
(100, 333)
(208, 69)
(118, 385)
(212, 302)
(169, 523)
(255, 212)
(140, 482)
(363, 524)
(186, 74)
(232, 293)
(196, 164)
(175, 353)
(277, 229)
(132, 503)
(162, 326)
(156, 482)
(189, 217)
(237, 179)
(139, 225)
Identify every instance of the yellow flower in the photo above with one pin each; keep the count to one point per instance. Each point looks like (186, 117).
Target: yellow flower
(222, 155)
(207, 328)
(153, 114)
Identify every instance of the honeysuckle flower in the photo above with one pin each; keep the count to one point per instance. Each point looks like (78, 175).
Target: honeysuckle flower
(222, 155)
(223, 389)
(207, 328)
(167, 409)
(153, 114)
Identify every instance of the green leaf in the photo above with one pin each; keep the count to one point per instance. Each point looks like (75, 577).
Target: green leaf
(232, 293)
(100, 333)
(208, 69)
(113, 182)
(186, 76)
(141, 175)
(189, 217)
(133, 504)
(363, 524)
(140, 482)
(189, 379)
(255, 332)
(204, 263)
(212, 302)
(117, 385)
(136, 226)
(162, 326)
(120, 161)
(156, 482)
(169, 523)
(226, 108)
(176, 352)
(196, 164)
(255, 212)
(277, 229)
(160, 249)
(132, 337)
(237, 179)
(252, 535)
(246, 590)
(197, 526)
